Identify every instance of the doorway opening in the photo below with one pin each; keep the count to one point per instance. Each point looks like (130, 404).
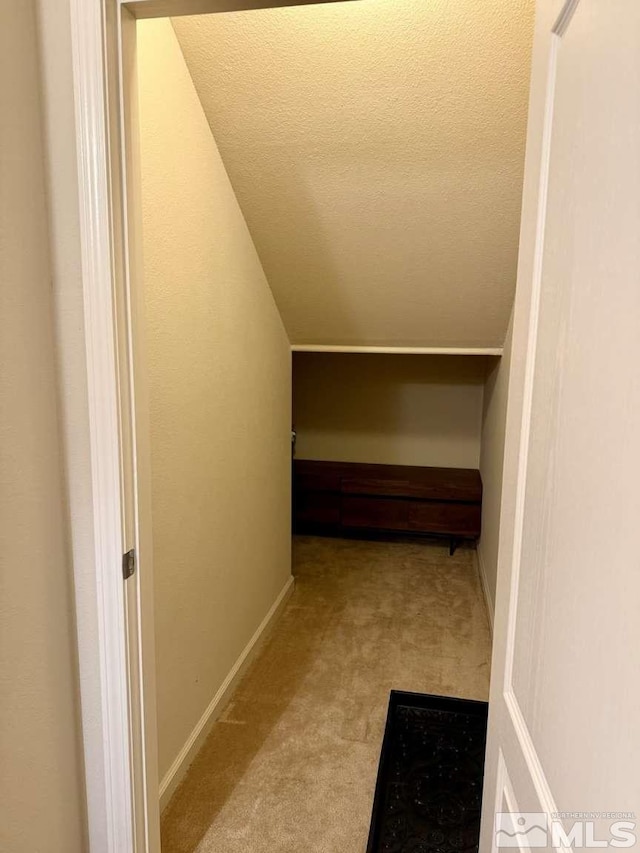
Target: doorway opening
(272, 674)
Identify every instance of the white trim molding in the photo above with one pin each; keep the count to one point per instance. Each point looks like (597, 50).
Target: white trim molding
(484, 583)
(532, 760)
(530, 365)
(116, 818)
(398, 350)
(196, 739)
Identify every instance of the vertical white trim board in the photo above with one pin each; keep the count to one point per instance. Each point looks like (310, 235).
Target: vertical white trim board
(484, 583)
(176, 773)
(110, 821)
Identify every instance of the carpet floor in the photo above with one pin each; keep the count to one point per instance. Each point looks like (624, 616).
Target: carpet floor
(290, 767)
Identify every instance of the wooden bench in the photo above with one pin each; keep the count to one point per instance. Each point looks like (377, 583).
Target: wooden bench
(351, 497)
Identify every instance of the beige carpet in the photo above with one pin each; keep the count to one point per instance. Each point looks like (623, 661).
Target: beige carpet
(291, 765)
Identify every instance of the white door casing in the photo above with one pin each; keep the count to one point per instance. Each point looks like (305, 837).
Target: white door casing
(135, 431)
(564, 693)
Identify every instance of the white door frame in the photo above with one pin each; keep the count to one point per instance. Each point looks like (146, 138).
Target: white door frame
(118, 716)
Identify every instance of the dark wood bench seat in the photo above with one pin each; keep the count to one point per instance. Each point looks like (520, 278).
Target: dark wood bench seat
(348, 497)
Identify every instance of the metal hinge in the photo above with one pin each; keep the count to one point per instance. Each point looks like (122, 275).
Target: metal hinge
(128, 563)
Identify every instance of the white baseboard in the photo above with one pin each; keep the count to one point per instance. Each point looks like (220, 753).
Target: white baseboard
(482, 572)
(184, 759)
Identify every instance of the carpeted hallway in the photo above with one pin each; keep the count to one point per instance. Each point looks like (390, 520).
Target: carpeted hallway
(291, 765)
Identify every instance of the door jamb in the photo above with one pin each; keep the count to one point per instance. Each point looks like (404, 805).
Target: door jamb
(107, 758)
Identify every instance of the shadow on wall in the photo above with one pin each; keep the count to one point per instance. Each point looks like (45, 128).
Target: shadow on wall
(321, 230)
(290, 207)
(390, 409)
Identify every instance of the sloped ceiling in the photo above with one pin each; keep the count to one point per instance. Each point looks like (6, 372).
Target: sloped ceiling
(376, 149)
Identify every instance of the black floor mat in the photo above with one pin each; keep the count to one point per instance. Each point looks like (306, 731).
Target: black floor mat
(429, 789)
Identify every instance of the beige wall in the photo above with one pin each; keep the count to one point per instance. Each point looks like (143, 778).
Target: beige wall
(494, 418)
(41, 787)
(393, 409)
(220, 402)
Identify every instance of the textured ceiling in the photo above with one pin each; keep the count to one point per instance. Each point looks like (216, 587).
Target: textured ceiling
(376, 149)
